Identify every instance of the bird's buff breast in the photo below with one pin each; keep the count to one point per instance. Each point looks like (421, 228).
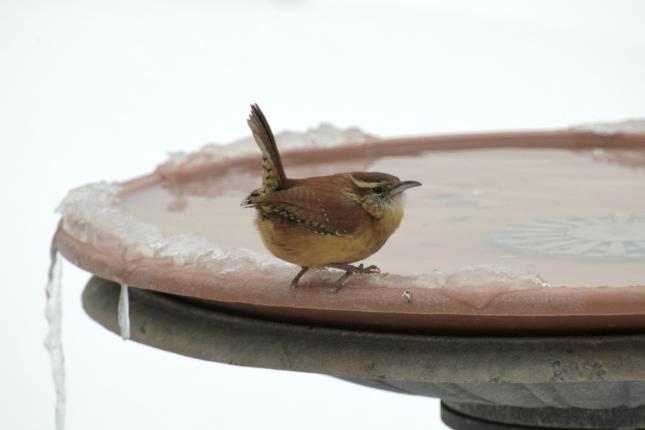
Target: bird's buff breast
(298, 245)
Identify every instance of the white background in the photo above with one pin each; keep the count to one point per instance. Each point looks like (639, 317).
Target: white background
(92, 90)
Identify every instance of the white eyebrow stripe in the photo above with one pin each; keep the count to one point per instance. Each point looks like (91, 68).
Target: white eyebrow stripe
(363, 184)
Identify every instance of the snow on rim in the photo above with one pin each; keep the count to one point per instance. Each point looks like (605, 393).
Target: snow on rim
(629, 126)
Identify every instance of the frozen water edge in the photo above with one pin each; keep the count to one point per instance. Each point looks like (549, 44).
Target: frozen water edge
(483, 275)
(124, 312)
(92, 215)
(629, 126)
(324, 135)
(53, 341)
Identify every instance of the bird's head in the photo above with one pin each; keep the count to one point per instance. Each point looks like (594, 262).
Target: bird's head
(378, 192)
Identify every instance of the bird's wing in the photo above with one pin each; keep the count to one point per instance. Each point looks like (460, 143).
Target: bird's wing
(323, 209)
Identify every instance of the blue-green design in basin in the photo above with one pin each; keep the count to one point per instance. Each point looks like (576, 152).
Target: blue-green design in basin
(618, 236)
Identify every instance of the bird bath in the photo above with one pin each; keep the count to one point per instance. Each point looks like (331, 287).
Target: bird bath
(513, 235)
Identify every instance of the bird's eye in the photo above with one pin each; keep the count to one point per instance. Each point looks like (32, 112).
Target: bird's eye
(377, 190)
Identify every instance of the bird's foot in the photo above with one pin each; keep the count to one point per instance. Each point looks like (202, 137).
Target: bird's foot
(350, 270)
(370, 270)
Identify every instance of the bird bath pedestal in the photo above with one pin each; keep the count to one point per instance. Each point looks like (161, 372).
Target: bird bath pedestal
(569, 382)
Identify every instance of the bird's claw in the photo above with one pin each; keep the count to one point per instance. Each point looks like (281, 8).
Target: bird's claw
(372, 269)
(351, 270)
(369, 270)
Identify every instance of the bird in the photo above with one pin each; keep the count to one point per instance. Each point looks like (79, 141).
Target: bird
(322, 221)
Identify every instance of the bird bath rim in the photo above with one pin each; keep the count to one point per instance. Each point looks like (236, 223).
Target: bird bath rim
(409, 308)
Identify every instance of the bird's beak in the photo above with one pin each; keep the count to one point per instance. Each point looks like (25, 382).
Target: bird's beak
(404, 185)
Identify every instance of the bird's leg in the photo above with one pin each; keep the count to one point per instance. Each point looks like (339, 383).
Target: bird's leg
(341, 281)
(350, 270)
(355, 269)
(294, 282)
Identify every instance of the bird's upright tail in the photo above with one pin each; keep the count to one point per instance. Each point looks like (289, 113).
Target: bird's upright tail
(273, 176)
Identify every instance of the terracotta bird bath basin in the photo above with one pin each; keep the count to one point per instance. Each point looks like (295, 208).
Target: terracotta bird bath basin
(515, 242)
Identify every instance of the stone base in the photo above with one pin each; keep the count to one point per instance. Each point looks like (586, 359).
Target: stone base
(470, 416)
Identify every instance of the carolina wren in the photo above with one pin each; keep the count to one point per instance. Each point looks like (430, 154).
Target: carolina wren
(322, 221)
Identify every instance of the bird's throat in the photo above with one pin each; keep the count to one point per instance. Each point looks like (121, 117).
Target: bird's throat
(392, 214)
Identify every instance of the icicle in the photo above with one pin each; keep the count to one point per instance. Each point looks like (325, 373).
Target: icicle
(53, 342)
(124, 312)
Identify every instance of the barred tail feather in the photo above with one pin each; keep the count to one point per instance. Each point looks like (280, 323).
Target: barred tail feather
(273, 176)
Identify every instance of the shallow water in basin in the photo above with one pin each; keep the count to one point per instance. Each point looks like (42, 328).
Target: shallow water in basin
(574, 218)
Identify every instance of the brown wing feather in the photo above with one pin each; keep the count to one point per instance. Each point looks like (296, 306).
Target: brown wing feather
(320, 206)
